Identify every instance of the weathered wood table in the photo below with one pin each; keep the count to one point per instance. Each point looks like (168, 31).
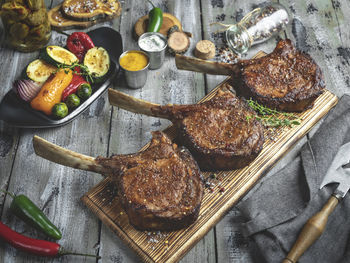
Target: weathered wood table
(317, 27)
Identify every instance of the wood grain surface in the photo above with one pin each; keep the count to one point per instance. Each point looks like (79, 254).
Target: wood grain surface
(318, 27)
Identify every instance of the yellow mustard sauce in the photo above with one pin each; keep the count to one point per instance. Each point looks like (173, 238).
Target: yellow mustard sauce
(133, 61)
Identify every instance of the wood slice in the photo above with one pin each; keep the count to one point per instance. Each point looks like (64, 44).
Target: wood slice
(178, 42)
(59, 22)
(168, 21)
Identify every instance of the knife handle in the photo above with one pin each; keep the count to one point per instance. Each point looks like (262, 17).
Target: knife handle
(311, 231)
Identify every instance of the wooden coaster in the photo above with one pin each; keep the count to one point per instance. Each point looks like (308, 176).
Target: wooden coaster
(168, 21)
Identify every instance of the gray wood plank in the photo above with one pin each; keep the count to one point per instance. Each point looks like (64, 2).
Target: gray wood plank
(319, 28)
(227, 231)
(8, 135)
(316, 29)
(59, 188)
(129, 131)
(319, 35)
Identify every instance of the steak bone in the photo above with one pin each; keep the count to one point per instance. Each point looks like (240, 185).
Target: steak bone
(205, 66)
(57, 154)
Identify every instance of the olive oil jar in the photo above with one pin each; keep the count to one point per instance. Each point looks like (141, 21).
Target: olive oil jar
(26, 24)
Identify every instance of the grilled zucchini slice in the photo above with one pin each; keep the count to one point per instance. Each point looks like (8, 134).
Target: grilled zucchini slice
(39, 71)
(98, 63)
(56, 55)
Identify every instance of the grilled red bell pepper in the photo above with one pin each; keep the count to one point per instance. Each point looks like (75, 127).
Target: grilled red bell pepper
(73, 86)
(79, 43)
(34, 246)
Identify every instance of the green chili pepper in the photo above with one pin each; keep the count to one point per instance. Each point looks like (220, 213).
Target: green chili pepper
(26, 210)
(155, 19)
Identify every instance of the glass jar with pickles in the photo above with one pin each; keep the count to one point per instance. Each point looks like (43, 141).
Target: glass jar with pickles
(26, 23)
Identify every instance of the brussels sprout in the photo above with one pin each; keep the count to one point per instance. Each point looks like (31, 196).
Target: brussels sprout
(19, 31)
(72, 101)
(60, 110)
(84, 91)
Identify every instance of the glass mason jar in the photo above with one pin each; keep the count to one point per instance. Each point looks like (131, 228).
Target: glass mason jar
(256, 27)
(26, 23)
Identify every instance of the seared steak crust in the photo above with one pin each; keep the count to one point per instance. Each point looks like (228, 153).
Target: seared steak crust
(159, 188)
(219, 133)
(286, 79)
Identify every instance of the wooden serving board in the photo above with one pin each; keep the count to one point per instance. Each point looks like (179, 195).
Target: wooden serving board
(172, 246)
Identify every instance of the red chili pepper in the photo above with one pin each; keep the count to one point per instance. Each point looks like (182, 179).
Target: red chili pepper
(74, 84)
(79, 43)
(34, 246)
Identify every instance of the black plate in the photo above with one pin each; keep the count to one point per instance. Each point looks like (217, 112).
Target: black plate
(18, 113)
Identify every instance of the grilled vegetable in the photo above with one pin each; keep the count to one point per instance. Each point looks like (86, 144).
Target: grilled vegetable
(56, 55)
(26, 89)
(155, 19)
(73, 86)
(60, 110)
(97, 62)
(72, 101)
(79, 43)
(84, 91)
(34, 246)
(26, 210)
(39, 71)
(52, 90)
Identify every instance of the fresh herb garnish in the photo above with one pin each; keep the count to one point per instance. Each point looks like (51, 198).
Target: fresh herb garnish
(271, 117)
(84, 70)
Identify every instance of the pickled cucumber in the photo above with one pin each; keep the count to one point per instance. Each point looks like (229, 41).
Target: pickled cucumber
(26, 23)
(37, 33)
(15, 10)
(35, 4)
(19, 31)
(37, 17)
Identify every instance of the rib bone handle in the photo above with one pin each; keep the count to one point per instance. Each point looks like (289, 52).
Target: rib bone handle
(311, 231)
(57, 154)
(129, 103)
(205, 66)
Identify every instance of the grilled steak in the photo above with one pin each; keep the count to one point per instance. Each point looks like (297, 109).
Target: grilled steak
(217, 132)
(286, 79)
(160, 188)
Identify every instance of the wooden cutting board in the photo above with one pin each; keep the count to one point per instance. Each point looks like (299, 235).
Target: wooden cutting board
(172, 246)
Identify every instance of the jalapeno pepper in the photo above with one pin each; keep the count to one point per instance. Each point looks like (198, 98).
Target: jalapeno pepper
(79, 43)
(34, 246)
(26, 210)
(76, 82)
(155, 19)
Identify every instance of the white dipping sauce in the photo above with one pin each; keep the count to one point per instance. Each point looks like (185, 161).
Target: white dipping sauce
(152, 43)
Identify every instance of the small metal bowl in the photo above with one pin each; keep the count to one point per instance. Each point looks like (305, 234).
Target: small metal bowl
(136, 79)
(156, 57)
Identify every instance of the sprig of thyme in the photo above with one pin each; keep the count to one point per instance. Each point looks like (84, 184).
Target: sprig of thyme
(271, 117)
(84, 70)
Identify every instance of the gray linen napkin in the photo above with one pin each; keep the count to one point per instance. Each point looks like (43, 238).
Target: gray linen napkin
(277, 210)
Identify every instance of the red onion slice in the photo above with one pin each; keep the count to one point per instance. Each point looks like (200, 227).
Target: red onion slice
(26, 89)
